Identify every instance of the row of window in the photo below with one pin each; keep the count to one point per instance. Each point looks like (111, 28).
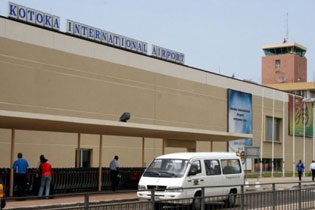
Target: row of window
(213, 167)
(273, 134)
(267, 165)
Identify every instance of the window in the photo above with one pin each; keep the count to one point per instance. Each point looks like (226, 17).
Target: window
(197, 162)
(277, 65)
(212, 167)
(166, 168)
(85, 158)
(231, 166)
(267, 164)
(276, 128)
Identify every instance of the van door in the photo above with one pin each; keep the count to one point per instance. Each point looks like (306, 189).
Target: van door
(213, 178)
(232, 173)
(196, 180)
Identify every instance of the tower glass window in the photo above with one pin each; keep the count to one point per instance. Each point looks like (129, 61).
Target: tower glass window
(277, 65)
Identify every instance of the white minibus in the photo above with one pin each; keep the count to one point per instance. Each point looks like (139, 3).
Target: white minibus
(169, 175)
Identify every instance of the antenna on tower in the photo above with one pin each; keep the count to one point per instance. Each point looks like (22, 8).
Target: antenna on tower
(287, 27)
(286, 36)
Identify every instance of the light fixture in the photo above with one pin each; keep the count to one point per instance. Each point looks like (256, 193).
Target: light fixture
(124, 117)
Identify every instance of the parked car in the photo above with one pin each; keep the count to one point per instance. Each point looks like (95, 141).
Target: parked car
(2, 193)
(170, 174)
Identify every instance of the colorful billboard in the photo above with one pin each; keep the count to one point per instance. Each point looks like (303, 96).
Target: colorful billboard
(298, 110)
(240, 118)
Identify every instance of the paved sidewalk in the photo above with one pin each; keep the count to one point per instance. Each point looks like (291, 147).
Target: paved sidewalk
(277, 180)
(64, 201)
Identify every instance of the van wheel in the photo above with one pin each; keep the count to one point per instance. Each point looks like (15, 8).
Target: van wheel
(2, 204)
(196, 204)
(158, 206)
(231, 200)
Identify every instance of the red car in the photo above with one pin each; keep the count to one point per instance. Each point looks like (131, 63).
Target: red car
(2, 193)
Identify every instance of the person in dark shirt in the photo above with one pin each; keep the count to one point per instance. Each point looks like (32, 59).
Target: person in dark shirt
(20, 166)
(300, 169)
(114, 167)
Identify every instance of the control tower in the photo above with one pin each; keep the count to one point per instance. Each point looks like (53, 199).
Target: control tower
(284, 63)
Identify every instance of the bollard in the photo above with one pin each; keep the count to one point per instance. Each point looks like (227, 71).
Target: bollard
(257, 184)
(86, 202)
(242, 197)
(246, 184)
(152, 200)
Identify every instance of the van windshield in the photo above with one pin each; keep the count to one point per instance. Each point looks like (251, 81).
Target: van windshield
(166, 168)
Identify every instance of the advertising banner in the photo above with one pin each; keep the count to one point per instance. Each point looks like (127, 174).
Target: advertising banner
(240, 119)
(296, 108)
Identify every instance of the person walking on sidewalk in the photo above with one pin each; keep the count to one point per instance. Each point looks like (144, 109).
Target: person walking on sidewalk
(20, 166)
(45, 171)
(114, 167)
(300, 168)
(312, 168)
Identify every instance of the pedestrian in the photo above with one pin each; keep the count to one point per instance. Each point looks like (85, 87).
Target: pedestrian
(312, 168)
(114, 169)
(20, 166)
(300, 168)
(46, 175)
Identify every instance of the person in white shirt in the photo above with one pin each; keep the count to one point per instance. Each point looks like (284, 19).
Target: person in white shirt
(114, 167)
(312, 168)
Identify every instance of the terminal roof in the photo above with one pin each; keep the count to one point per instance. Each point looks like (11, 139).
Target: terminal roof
(56, 123)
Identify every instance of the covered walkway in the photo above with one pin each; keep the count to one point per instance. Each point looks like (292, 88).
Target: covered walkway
(43, 122)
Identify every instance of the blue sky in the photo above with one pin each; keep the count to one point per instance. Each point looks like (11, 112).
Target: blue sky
(221, 36)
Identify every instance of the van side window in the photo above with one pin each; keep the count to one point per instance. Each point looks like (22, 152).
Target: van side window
(197, 162)
(212, 167)
(232, 166)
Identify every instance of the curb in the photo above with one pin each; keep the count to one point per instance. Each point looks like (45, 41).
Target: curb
(73, 204)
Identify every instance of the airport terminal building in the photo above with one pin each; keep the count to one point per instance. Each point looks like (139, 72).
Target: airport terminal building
(54, 76)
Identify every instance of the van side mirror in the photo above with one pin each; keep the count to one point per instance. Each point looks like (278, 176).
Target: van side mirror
(193, 170)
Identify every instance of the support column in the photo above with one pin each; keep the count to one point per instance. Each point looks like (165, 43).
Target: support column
(100, 164)
(262, 133)
(11, 161)
(143, 142)
(304, 159)
(283, 136)
(163, 146)
(211, 146)
(273, 134)
(293, 160)
(79, 151)
(313, 152)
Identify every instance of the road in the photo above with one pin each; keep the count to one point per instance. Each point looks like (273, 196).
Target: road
(283, 199)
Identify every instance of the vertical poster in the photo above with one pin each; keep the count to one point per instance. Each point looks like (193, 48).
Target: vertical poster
(239, 119)
(296, 107)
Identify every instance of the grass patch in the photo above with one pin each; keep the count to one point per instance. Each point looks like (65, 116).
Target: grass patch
(276, 174)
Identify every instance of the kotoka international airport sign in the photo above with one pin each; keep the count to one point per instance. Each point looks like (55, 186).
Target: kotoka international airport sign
(50, 21)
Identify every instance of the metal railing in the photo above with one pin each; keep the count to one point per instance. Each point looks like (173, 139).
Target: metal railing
(72, 180)
(284, 195)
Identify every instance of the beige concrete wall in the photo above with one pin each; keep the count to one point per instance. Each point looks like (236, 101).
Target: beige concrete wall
(79, 78)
